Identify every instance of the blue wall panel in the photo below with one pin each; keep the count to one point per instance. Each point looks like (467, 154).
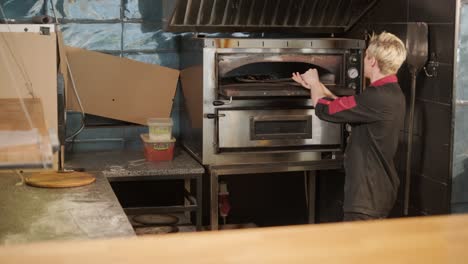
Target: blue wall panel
(148, 10)
(148, 37)
(93, 36)
(90, 9)
(21, 9)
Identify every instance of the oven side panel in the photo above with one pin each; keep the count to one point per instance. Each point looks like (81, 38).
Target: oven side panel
(191, 82)
(209, 95)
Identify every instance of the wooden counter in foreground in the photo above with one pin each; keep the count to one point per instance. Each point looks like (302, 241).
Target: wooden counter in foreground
(416, 240)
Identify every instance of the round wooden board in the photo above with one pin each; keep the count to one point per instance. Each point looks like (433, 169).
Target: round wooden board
(156, 219)
(59, 179)
(156, 230)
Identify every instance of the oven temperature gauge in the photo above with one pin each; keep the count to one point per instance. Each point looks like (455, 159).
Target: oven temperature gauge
(353, 73)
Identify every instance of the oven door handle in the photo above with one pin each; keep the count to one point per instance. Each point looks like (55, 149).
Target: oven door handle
(213, 116)
(220, 103)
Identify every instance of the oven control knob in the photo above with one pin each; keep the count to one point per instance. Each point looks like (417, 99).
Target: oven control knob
(352, 86)
(353, 73)
(353, 59)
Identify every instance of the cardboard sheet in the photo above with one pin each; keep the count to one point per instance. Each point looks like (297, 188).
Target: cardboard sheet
(192, 88)
(120, 88)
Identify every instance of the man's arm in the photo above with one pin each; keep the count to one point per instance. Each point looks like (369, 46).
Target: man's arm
(316, 91)
(328, 93)
(362, 108)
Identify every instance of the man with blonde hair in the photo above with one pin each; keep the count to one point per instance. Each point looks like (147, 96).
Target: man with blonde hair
(376, 116)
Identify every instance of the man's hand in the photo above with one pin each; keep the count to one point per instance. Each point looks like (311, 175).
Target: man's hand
(311, 77)
(297, 77)
(308, 79)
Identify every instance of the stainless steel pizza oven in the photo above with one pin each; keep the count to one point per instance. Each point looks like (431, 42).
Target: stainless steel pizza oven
(250, 110)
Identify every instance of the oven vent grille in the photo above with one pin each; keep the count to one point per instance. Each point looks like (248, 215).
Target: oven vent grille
(295, 16)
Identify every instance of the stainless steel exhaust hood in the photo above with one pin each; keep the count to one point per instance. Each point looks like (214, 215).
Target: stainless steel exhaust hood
(290, 16)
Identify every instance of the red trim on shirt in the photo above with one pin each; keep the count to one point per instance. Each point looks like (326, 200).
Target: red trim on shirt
(385, 80)
(341, 104)
(324, 101)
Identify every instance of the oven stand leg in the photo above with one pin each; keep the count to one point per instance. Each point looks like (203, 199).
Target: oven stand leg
(199, 201)
(188, 189)
(214, 200)
(311, 175)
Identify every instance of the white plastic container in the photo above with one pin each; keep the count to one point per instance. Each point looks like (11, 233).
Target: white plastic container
(160, 128)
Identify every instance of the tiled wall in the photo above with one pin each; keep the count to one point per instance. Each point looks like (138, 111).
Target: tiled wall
(431, 168)
(460, 155)
(125, 28)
